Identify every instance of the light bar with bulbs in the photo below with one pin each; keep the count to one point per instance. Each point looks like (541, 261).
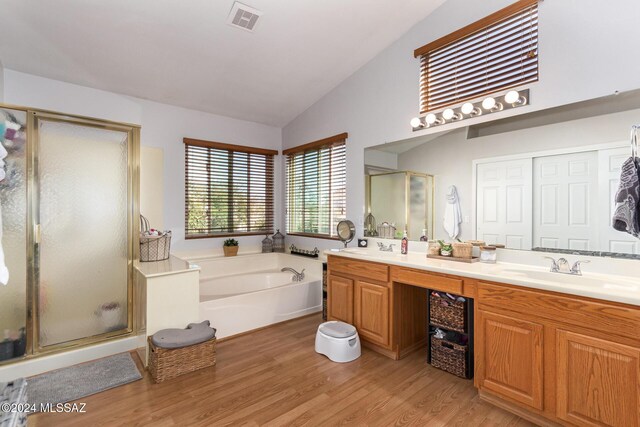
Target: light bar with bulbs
(491, 104)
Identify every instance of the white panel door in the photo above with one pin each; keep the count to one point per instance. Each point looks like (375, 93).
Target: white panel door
(611, 240)
(565, 194)
(503, 195)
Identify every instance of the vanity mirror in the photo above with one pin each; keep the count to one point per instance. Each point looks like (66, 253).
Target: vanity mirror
(541, 181)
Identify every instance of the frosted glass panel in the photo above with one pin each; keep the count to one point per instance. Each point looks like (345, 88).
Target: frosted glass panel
(83, 216)
(13, 205)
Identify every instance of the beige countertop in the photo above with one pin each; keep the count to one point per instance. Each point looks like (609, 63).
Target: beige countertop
(608, 287)
(173, 265)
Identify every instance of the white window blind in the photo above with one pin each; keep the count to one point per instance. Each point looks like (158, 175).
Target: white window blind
(493, 54)
(228, 189)
(316, 187)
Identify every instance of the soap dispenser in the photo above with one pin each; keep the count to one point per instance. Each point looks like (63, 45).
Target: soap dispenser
(404, 245)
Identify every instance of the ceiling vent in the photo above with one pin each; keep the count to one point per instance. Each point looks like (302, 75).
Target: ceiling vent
(243, 16)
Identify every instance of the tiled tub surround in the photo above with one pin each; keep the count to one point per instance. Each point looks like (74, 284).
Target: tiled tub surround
(242, 293)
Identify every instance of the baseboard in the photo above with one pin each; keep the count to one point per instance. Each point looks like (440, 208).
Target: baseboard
(517, 410)
(384, 351)
(422, 344)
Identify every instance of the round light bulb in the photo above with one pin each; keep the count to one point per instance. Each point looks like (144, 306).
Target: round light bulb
(512, 97)
(467, 108)
(489, 103)
(448, 114)
(430, 118)
(416, 122)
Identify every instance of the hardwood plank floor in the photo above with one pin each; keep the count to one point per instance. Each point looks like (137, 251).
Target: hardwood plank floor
(273, 377)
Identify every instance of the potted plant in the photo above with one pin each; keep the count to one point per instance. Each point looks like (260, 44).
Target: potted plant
(230, 247)
(445, 248)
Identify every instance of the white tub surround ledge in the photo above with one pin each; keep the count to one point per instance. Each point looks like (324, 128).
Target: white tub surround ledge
(168, 295)
(599, 284)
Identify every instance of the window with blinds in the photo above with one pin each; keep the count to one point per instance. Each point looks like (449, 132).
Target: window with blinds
(228, 189)
(498, 52)
(316, 187)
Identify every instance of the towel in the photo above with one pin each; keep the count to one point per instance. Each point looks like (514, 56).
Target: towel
(626, 216)
(452, 213)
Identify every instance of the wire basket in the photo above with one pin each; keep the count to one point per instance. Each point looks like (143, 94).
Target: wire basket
(155, 248)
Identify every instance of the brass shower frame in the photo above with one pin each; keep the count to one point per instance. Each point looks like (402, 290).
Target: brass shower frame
(34, 117)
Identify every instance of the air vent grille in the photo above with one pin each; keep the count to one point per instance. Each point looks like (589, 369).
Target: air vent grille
(243, 16)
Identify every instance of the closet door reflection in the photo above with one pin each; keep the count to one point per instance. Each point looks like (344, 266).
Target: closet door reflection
(13, 243)
(82, 258)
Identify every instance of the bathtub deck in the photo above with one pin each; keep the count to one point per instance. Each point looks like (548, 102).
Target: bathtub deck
(274, 377)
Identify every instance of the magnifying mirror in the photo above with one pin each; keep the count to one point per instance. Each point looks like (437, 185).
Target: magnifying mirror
(346, 231)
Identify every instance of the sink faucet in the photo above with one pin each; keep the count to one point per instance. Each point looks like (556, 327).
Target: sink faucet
(562, 266)
(384, 248)
(297, 277)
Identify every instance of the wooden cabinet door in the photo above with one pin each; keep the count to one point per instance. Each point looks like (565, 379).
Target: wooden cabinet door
(598, 381)
(340, 299)
(509, 357)
(372, 312)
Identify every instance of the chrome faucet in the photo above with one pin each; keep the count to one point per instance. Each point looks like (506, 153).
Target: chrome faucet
(297, 277)
(562, 266)
(384, 248)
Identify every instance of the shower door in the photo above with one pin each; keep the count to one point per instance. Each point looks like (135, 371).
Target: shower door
(81, 215)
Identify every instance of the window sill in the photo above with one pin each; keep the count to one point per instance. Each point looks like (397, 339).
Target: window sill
(215, 236)
(314, 236)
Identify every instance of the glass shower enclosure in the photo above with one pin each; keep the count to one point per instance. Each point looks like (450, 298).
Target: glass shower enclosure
(68, 200)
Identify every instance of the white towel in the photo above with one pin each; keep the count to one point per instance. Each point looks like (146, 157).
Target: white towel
(452, 213)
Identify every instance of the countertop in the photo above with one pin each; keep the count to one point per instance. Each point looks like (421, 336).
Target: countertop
(173, 265)
(607, 287)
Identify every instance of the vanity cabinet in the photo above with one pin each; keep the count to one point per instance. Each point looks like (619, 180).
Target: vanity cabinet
(372, 314)
(512, 355)
(340, 299)
(569, 359)
(598, 381)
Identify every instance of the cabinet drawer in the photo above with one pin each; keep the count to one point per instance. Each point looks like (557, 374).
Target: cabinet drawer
(600, 316)
(365, 269)
(427, 280)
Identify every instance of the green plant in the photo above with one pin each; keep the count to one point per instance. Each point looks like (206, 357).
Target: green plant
(230, 242)
(445, 246)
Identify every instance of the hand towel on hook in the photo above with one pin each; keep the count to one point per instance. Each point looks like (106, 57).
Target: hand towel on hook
(452, 213)
(626, 217)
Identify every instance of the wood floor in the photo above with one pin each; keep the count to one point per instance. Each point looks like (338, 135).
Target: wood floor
(273, 377)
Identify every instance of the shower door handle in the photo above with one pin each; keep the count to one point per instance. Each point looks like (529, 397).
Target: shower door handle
(36, 234)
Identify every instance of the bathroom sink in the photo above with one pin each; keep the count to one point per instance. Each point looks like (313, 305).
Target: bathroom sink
(584, 280)
(369, 252)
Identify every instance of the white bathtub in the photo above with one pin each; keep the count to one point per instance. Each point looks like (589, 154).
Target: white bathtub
(246, 292)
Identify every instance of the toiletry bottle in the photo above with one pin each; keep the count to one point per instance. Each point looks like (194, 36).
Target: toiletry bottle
(424, 237)
(404, 245)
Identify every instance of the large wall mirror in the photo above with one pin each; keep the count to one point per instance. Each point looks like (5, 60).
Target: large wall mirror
(541, 181)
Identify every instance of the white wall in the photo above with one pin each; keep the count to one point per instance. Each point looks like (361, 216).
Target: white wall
(585, 52)
(1, 83)
(163, 126)
(450, 156)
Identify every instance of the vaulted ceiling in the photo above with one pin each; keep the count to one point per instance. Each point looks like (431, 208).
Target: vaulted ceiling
(184, 53)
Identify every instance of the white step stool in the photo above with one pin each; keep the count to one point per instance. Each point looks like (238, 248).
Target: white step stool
(338, 341)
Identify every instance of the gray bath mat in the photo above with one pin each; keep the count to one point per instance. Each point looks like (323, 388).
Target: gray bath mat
(72, 383)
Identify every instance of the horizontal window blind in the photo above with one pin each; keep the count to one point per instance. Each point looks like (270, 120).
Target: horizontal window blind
(316, 187)
(502, 53)
(227, 191)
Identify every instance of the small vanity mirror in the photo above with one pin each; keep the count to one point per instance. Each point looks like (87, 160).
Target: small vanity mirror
(346, 231)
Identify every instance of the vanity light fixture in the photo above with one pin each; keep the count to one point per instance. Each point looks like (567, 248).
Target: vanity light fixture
(491, 104)
(449, 114)
(416, 122)
(514, 98)
(470, 110)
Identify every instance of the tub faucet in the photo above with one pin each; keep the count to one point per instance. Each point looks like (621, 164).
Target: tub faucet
(297, 277)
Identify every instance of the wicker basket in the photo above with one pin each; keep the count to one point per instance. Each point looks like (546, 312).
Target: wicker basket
(451, 316)
(449, 356)
(155, 248)
(462, 250)
(167, 363)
